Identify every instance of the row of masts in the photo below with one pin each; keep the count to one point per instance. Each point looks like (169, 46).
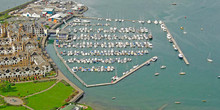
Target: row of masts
(145, 44)
(111, 30)
(111, 52)
(94, 69)
(99, 60)
(111, 37)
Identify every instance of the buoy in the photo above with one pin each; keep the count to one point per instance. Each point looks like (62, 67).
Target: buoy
(203, 100)
(185, 17)
(201, 29)
(181, 28)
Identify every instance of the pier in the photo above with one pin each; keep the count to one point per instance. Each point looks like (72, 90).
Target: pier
(133, 70)
(100, 84)
(178, 48)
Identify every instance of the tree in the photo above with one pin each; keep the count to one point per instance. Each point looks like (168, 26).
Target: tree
(5, 86)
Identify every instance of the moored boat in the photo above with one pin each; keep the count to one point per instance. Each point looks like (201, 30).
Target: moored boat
(163, 67)
(180, 56)
(156, 74)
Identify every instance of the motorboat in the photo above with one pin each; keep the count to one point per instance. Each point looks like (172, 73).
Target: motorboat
(177, 102)
(154, 58)
(163, 67)
(156, 74)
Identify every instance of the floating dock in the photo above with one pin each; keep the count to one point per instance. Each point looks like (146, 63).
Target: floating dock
(178, 48)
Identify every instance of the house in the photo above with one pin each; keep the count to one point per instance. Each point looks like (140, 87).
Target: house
(57, 17)
(48, 12)
(33, 15)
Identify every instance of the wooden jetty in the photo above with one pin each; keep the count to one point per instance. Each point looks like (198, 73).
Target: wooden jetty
(100, 84)
(178, 48)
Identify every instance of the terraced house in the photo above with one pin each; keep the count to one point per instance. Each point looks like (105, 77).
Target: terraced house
(20, 55)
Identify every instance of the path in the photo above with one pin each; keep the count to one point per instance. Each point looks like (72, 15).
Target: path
(42, 90)
(81, 92)
(28, 107)
(15, 101)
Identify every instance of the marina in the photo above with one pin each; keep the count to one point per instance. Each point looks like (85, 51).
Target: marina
(135, 68)
(141, 36)
(97, 44)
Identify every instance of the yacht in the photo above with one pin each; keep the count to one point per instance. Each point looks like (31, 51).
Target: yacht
(154, 58)
(148, 21)
(85, 21)
(174, 46)
(155, 22)
(209, 58)
(76, 20)
(182, 73)
(180, 56)
(115, 78)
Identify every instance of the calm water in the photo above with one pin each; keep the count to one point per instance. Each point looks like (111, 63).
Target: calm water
(143, 91)
(7, 4)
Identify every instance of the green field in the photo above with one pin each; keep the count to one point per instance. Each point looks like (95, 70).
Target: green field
(4, 107)
(50, 99)
(24, 89)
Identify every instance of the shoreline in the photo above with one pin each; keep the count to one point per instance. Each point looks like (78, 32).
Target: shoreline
(17, 7)
(43, 43)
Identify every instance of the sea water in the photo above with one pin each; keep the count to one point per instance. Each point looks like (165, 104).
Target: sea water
(7, 4)
(142, 90)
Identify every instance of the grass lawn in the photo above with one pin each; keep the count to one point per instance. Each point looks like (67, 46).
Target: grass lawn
(50, 99)
(3, 17)
(4, 107)
(1, 100)
(24, 89)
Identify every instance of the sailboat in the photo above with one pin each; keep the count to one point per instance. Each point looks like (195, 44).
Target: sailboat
(181, 72)
(209, 59)
(116, 75)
